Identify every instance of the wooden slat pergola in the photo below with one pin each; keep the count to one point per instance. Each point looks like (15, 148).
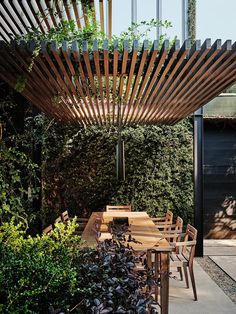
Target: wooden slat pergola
(19, 17)
(70, 83)
(153, 85)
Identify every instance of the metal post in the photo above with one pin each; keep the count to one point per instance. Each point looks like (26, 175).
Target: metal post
(134, 12)
(198, 152)
(198, 179)
(159, 17)
(184, 20)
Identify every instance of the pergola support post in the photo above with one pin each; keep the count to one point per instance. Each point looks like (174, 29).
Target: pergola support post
(198, 179)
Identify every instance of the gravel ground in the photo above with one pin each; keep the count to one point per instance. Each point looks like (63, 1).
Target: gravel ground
(225, 282)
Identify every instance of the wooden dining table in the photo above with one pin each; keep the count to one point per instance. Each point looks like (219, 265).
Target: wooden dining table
(147, 237)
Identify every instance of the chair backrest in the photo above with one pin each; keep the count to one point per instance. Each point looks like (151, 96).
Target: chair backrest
(118, 208)
(65, 216)
(190, 236)
(179, 224)
(178, 229)
(48, 229)
(169, 217)
(58, 220)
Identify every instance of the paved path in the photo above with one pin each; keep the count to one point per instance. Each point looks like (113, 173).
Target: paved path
(211, 299)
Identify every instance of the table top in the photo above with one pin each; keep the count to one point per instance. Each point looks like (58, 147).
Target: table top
(141, 228)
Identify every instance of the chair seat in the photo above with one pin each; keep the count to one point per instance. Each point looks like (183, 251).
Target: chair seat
(178, 259)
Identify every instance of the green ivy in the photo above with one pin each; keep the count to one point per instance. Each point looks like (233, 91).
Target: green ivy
(17, 179)
(79, 169)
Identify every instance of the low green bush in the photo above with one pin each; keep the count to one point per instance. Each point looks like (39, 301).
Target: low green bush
(36, 272)
(54, 274)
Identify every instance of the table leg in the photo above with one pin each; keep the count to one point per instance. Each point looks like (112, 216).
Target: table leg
(164, 291)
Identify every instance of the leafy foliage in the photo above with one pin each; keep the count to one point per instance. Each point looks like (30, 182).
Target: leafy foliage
(36, 272)
(80, 168)
(52, 274)
(17, 176)
(67, 31)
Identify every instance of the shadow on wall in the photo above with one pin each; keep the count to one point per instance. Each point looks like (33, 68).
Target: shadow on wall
(224, 226)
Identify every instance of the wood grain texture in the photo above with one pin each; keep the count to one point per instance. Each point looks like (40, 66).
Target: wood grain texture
(154, 86)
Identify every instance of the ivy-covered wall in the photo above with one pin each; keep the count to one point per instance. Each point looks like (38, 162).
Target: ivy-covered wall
(79, 169)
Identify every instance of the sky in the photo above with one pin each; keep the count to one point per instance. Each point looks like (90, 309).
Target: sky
(216, 19)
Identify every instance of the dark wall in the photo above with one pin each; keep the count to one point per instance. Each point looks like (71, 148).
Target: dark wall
(219, 179)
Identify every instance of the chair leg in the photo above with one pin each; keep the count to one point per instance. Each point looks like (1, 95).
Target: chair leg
(186, 276)
(193, 283)
(179, 269)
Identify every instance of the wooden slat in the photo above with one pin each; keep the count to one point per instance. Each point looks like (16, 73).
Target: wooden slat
(31, 85)
(222, 71)
(106, 74)
(66, 55)
(70, 86)
(66, 6)
(6, 32)
(146, 76)
(19, 15)
(99, 76)
(50, 11)
(114, 87)
(186, 79)
(5, 37)
(153, 88)
(123, 73)
(43, 71)
(101, 10)
(76, 56)
(84, 9)
(45, 17)
(60, 80)
(8, 24)
(137, 79)
(162, 77)
(213, 58)
(177, 66)
(68, 113)
(109, 19)
(76, 12)
(179, 77)
(26, 14)
(155, 73)
(11, 18)
(90, 76)
(129, 82)
(35, 14)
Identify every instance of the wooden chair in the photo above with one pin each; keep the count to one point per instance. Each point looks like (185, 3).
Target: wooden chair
(65, 216)
(58, 220)
(48, 229)
(82, 222)
(184, 255)
(118, 208)
(162, 222)
(173, 232)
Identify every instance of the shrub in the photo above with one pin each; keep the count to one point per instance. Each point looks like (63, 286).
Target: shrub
(36, 272)
(53, 274)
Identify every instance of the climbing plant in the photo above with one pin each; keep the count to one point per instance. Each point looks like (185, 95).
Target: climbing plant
(79, 169)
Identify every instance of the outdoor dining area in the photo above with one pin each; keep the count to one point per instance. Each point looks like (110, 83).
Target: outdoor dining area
(162, 244)
(67, 251)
